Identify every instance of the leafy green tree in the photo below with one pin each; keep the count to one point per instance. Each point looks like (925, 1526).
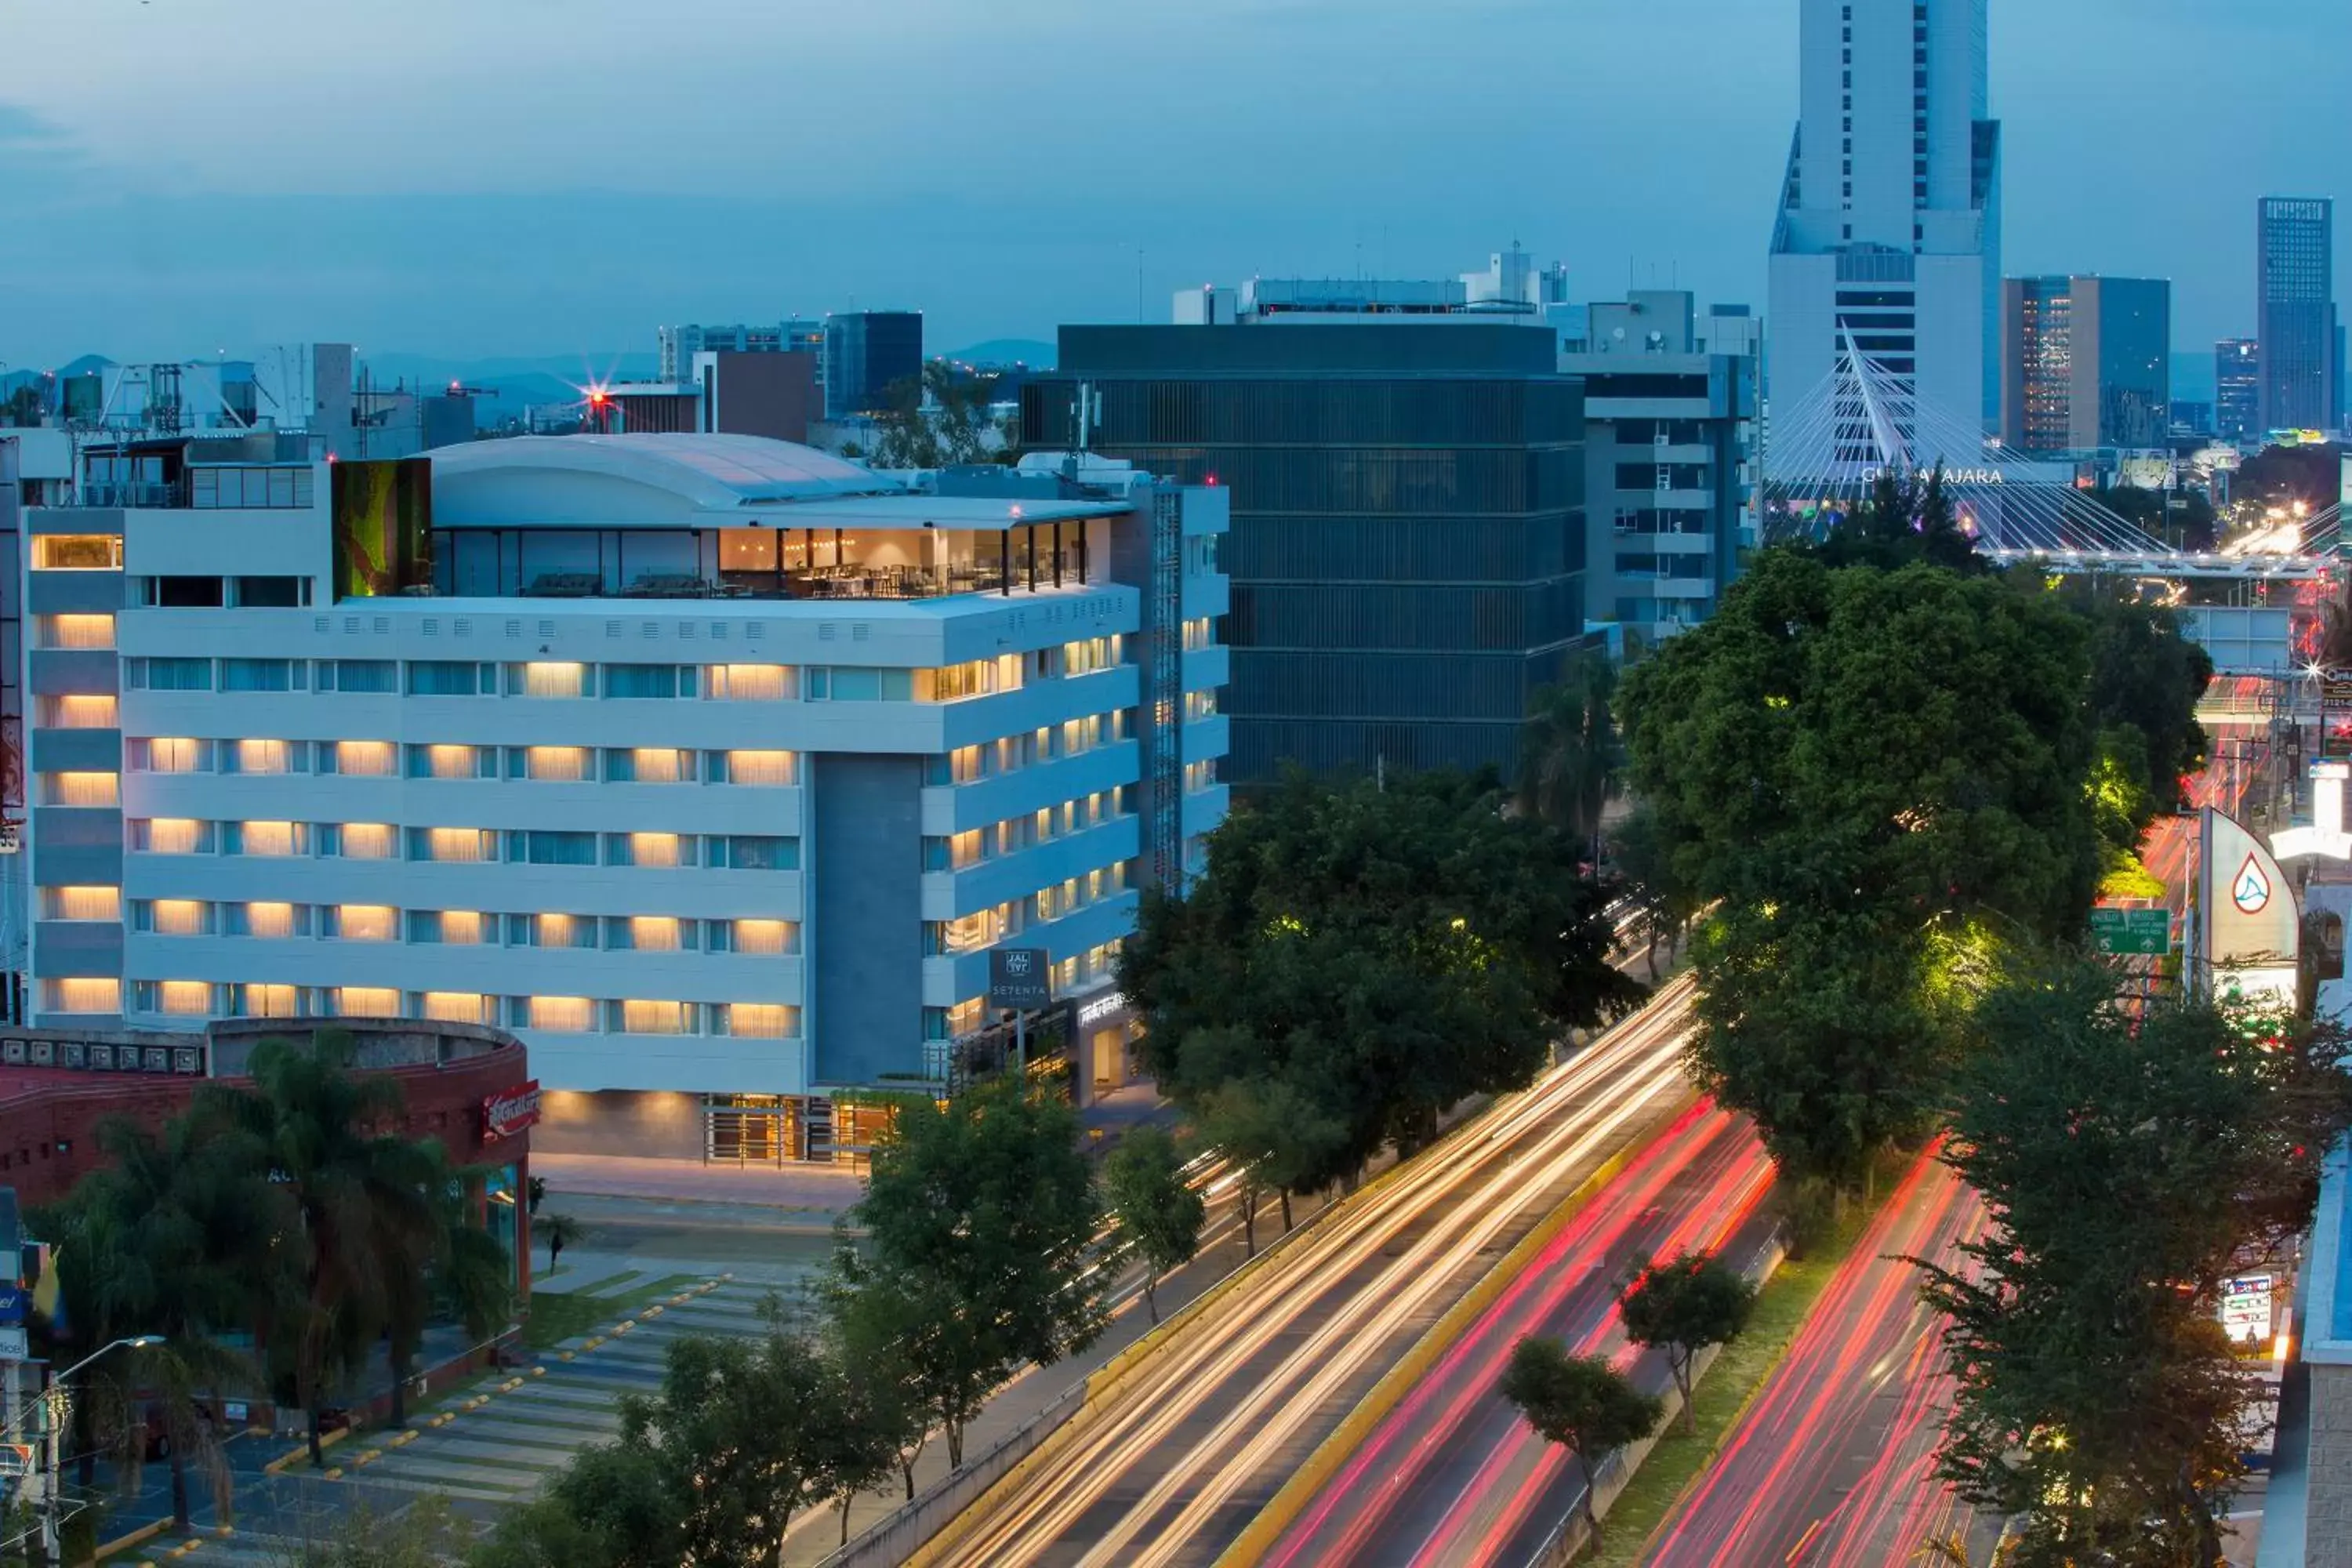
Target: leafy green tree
(1644, 860)
(1277, 1138)
(1581, 1403)
(558, 1231)
(432, 1258)
(2147, 678)
(612, 1506)
(1381, 951)
(935, 419)
(979, 1221)
(427, 1533)
(2098, 1400)
(1570, 759)
(1160, 1213)
(21, 406)
(1864, 769)
(856, 1437)
(1680, 1307)
(1904, 522)
(881, 1331)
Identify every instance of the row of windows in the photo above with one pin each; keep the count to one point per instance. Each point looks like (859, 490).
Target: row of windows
(1264, 747)
(1009, 753)
(1406, 549)
(1313, 412)
(1697, 567)
(554, 1014)
(535, 847)
(1368, 615)
(1399, 686)
(1394, 482)
(722, 683)
(179, 592)
(1028, 830)
(385, 759)
(447, 928)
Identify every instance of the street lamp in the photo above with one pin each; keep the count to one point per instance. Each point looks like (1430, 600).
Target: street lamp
(53, 1407)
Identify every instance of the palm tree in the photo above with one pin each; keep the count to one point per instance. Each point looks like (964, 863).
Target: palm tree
(348, 1188)
(559, 1231)
(1569, 754)
(435, 1259)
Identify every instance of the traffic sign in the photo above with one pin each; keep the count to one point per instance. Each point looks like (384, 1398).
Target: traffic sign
(2144, 933)
(14, 1301)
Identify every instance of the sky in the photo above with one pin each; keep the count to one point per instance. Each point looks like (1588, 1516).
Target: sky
(484, 178)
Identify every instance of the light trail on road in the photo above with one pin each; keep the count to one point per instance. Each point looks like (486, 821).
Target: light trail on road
(1169, 1465)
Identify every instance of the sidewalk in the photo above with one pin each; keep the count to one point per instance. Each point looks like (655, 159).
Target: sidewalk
(819, 1190)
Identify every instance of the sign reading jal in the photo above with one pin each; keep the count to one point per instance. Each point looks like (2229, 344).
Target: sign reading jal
(509, 1110)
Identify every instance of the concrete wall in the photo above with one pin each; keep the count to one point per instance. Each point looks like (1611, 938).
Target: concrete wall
(648, 1124)
(2328, 1498)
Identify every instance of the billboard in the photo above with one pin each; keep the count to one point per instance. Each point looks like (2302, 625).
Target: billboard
(2246, 1309)
(384, 527)
(2251, 929)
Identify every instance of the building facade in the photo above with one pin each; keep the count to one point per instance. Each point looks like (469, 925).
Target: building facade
(2295, 298)
(676, 346)
(866, 354)
(1408, 544)
(2237, 388)
(709, 767)
(1887, 242)
(2086, 362)
(1669, 432)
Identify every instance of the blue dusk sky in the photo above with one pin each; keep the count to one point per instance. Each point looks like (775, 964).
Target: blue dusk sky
(508, 177)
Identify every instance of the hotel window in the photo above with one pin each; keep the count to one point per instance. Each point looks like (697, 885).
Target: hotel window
(365, 1001)
(468, 928)
(169, 836)
(748, 852)
(544, 848)
(77, 552)
(171, 917)
(650, 765)
(954, 682)
(553, 765)
(75, 631)
(357, 840)
(273, 921)
(754, 936)
(264, 757)
(648, 849)
(461, 845)
(543, 679)
(551, 930)
(968, 847)
(650, 933)
(458, 1007)
(80, 711)
(969, 933)
(1200, 634)
(762, 769)
(167, 674)
(752, 682)
(361, 923)
(378, 676)
(175, 998)
(276, 840)
(359, 759)
(262, 674)
(850, 683)
(93, 995)
(648, 681)
(653, 1017)
(80, 789)
(81, 903)
(174, 755)
(260, 1001)
(444, 677)
(1090, 654)
(452, 763)
(757, 1021)
(561, 1014)
(967, 765)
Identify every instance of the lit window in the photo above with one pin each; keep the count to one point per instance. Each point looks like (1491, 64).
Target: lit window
(563, 765)
(365, 759)
(750, 682)
(656, 1017)
(765, 936)
(445, 761)
(79, 631)
(563, 1015)
(78, 552)
(763, 1021)
(559, 930)
(770, 768)
(264, 757)
(257, 1001)
(81, 789)
(462, 928)
(652, 849)
(366, 923)
(467, 844)
(369, 841)
(269, 919)
(455, 1006)
(654, 934)
(552, 680)
(659, 767)
(82, 711)
(175, 756)
(81, 903)
(274, 839)
(184, 998)
(93, 995)
(172, 836)
(366, 1002)
(180, 916)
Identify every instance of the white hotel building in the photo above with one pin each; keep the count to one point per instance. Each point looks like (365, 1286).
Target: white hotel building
(711, 766)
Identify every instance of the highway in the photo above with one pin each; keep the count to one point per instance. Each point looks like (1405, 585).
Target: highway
(1169, 1464)
(1453, 1475)
(1831, 1466)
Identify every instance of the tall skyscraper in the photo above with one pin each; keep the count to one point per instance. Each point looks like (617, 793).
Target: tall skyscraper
(1889, 230)
(2084, 363)
(2295, 294)
(2237, 388)
(867, 352)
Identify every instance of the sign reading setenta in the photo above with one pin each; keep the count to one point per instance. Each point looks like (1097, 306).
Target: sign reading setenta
(1019, 977)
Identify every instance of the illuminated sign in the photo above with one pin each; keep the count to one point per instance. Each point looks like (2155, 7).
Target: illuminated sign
(1951, 476)
(2251, 891)
(510, 1110)
(1101, 1007)
(2246, 1308)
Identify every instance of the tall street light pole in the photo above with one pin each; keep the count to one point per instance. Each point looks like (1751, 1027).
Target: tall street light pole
(53, 1410)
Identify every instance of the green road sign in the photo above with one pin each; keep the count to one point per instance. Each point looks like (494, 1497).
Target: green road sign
(2140, 931)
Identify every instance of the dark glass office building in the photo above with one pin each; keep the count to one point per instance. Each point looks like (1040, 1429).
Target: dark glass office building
(1407, 552)
(2296, 291)
(865, 352)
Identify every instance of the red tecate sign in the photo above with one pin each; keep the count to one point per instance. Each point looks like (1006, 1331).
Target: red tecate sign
(509, 1110)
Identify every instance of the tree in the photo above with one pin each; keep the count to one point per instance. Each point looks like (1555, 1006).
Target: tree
(559, 1231)
(1680, 1307)
(1581, 1403)
(1382, 950)
(1160, 1213)
(1904, 520)
(1570, 759)
(935, 419)
(427, 1533)
(875, 1328)
(2098, 1400)
(22, 407)
(979, 1219)
(856, 1439)
(433, 1258)
(1644, 861)
(1866, 770)
(1277, 1139)
(2147, 678)
(612, 1506)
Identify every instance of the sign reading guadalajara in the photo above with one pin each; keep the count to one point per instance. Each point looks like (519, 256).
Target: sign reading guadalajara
(509, 1110)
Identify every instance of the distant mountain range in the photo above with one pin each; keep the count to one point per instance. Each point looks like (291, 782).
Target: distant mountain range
(1031, 352)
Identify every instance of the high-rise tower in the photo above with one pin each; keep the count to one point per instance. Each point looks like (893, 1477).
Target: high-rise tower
(1889, 227)
(2297, 326)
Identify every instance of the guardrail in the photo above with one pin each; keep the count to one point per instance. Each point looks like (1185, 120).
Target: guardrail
(896, 1538)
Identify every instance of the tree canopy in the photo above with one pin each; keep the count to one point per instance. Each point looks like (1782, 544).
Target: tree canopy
(1581, 1403)
(1680, 1307)
(1380, 952)
(1160, 1214)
